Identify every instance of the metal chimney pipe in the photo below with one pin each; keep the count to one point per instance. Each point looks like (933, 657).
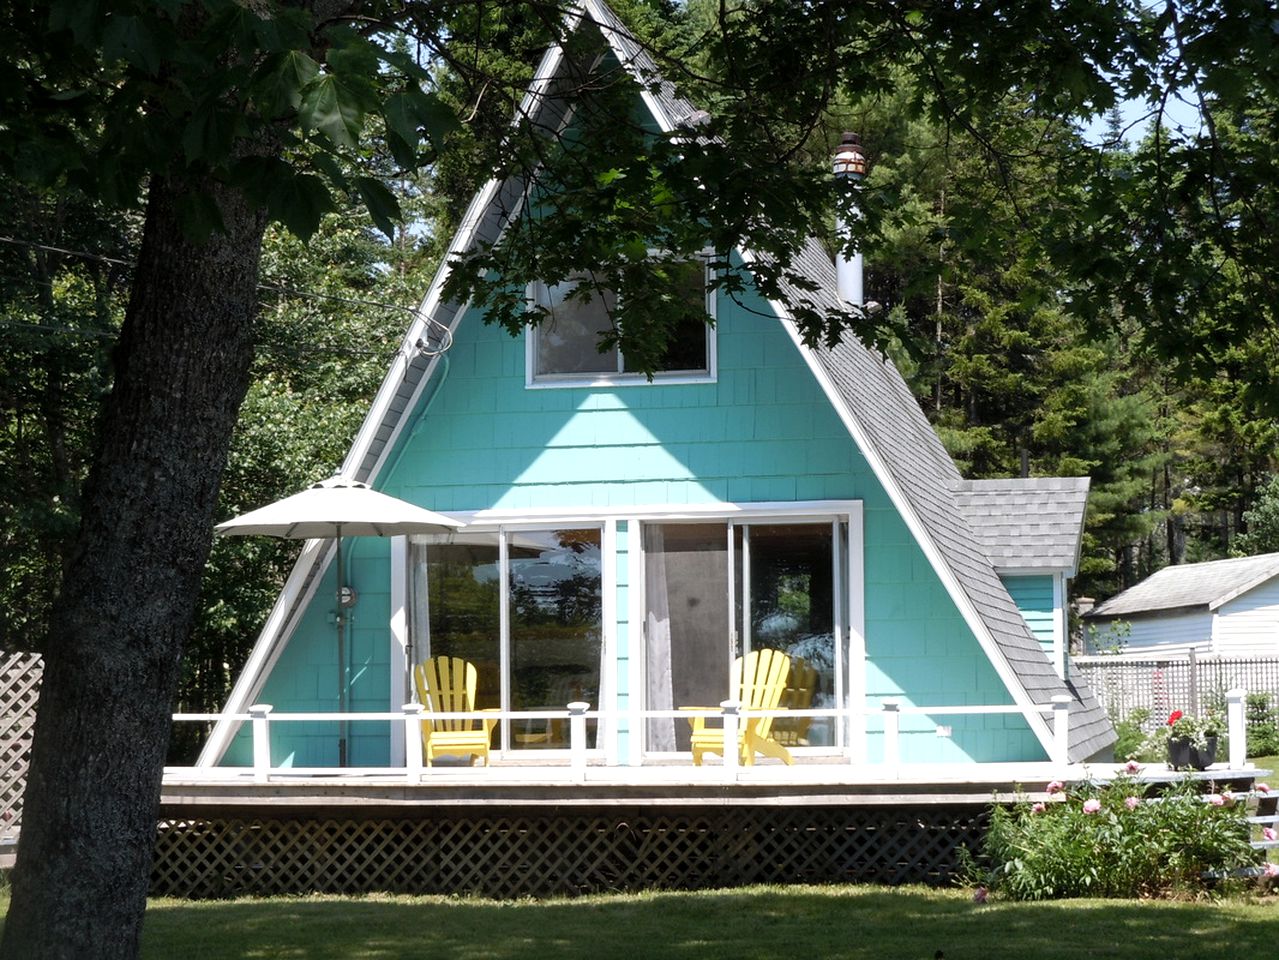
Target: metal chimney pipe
(849, 167)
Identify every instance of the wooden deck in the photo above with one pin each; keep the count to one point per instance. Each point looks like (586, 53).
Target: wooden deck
(379, 792)
(517, 830)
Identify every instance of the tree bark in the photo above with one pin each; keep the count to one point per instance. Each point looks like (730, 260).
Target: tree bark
(128, 598)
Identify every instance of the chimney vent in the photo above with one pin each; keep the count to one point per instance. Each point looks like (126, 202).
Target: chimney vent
(849, 167)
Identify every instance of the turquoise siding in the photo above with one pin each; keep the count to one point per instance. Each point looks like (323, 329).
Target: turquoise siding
(1034, 598)
(763, 432)
(305, 678)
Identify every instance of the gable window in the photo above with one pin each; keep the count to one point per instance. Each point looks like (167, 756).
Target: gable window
(564, 349)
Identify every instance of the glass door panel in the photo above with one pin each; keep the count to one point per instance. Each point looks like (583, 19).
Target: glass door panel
(554, 586)
(786, 573)
(456, 606)
(688, 645)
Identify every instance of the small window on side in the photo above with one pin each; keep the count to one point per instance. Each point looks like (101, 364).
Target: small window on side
(568, 339)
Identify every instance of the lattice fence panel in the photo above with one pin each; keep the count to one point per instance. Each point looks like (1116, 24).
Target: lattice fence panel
(1161, 686)
(538, 854)
(19, 690)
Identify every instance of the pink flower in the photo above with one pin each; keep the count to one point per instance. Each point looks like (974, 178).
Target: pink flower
(1132, 803)
(1037, 807)
(1092, 806)
(1268, 833)
(1056, 787)
(1263, 788)
(980, 895)
(1132, 766)
(1272, 870)
(1216, 799)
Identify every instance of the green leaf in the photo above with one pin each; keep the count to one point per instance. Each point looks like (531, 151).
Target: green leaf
(383, 207)
(299, 202)
(404, 155)
(258, 177)
(210, 133)
(329, 106)
(81, 17)
(401, 118)
(282, 84)
(433, 114)
(130, 39)
(328, 165)
(199, 215)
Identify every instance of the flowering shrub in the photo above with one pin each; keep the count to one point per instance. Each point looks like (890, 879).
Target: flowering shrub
(1110, 841)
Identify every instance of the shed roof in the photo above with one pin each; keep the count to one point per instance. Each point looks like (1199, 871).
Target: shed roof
(1031, 523)
(1189, 585)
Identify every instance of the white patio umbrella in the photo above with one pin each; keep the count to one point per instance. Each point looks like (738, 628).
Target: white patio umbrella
(338, 507)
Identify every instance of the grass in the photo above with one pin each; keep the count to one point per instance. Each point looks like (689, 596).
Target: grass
(757, 923)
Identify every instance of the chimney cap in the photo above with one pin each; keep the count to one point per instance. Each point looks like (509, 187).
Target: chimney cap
(849, 162)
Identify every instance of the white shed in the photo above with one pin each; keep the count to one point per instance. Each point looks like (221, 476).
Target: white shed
(1222, 607)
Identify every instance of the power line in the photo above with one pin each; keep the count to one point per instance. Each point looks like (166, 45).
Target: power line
(273, 287)
(423, 344)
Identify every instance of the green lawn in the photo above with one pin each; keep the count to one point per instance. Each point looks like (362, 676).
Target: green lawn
(804, 923)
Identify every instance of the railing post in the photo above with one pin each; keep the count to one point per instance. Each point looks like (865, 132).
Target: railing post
(413, 742)
(1061, 728)
(732, 711)
(1237, 727)
(892, 733)
(577, 738)
(261, 726)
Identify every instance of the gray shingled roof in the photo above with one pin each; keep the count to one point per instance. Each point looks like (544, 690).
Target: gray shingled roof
(882, 403)
(1032, 523)
(1190, 586)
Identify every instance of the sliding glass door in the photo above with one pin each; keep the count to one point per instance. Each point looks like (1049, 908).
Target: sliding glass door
(525, 607)
(714, 591)
(688, 636)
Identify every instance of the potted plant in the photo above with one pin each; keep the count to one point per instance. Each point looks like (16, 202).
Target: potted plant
(1192, 741)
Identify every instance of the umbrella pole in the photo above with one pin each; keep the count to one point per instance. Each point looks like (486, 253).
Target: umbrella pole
(341, 618)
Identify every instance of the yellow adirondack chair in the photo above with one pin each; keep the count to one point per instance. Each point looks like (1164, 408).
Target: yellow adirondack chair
(759, 681)
(447, 685)
(798, 695)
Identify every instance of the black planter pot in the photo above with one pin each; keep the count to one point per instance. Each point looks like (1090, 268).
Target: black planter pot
(1201, 758)
(1182, 753)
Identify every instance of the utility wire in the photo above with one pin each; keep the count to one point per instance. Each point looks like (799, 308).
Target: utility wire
(423, 346)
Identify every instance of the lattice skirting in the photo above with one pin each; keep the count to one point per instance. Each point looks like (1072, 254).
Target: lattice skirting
(19, 691)
(537, 854)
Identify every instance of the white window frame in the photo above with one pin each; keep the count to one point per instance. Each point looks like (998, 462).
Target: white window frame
(535, 381)
(605, 745)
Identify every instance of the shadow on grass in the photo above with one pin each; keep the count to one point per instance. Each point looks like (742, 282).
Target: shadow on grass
(751, 924)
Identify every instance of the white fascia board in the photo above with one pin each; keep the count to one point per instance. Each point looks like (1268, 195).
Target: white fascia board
(596, 14)
(546, 72)
(1037, 721)
(1241, 590)
(1045, 571)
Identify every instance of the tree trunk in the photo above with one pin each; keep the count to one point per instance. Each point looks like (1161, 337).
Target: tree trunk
(128, 598)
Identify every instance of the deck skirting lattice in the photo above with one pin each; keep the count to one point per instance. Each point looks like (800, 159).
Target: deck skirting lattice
(20, 675)
(563, 852)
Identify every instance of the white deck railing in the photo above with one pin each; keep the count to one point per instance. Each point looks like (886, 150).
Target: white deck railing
(262, 717)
